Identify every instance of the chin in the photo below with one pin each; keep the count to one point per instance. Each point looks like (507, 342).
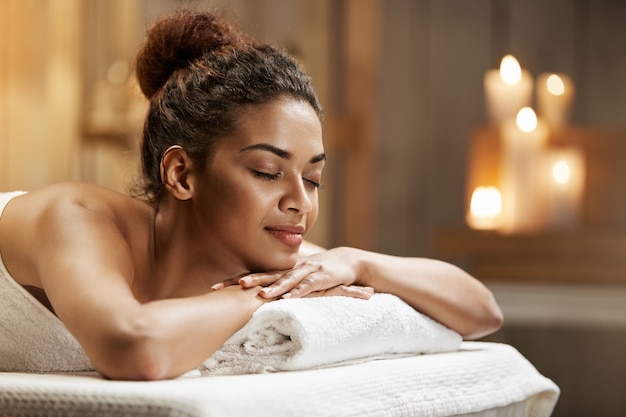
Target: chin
(275, 263)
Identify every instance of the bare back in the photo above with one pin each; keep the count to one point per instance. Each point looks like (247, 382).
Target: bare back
(90, 252)
(66, 221)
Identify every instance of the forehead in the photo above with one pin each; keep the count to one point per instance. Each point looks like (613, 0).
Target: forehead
(288, 124)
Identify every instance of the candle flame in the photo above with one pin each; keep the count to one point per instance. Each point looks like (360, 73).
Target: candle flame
(486, 202)
(510, 70)
(561, 172)
(555, 85)
(526, 119)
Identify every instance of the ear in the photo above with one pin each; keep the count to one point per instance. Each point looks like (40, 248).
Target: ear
(176, 172)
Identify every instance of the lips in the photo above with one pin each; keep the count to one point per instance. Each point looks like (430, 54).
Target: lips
(288, 234)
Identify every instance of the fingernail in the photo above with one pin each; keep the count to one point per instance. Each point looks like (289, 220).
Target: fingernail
(288, 295)
(217, 286)
(267, 291)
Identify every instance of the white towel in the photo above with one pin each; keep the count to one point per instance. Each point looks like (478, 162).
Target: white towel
(305, 333)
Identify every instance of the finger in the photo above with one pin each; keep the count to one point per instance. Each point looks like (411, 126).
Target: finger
(259, 279)
(300, 277)
(226, 283)
(306, 286)
(354, 291)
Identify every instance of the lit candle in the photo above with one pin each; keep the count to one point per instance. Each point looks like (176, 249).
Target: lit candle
(566, 185)
(485, 211)
(523, 151)
(507, 90)
(554, 98)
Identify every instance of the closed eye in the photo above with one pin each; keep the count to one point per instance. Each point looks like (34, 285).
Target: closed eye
(314, 184)
(266, 175)
(273, 177)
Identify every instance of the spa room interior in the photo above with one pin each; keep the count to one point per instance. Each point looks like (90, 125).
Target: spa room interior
(434, 149)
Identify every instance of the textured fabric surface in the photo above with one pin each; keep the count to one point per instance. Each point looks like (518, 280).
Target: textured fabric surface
(31, 337)
(304, 333)
(481, 379)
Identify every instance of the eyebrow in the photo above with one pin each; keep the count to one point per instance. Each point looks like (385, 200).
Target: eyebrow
(280, 152)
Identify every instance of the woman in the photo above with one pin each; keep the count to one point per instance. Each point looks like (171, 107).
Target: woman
(232, 156)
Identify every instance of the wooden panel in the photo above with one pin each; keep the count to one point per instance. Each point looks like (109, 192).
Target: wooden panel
(588, 365)
(460, 39)
(605, 62)
(403, 163)
(363, 49)
(560, 257)
(63, 89)
(5, 19)
(583, 38)
(25, 94)
(40, 85)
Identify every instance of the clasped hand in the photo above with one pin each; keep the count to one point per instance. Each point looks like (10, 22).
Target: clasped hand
(327, 273)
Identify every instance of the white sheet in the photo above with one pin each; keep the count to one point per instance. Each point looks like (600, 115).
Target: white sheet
(482, 379)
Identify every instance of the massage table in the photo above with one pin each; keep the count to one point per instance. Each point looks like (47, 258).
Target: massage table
(480, 380)
(319, 356)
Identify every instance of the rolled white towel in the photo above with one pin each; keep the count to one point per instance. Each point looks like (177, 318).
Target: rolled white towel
(305, 333)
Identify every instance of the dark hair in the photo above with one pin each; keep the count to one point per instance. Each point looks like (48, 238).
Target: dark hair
(197, 71)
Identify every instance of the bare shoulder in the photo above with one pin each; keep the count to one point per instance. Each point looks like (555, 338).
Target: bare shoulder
(63, 200)
(64, 216)
(90, 196)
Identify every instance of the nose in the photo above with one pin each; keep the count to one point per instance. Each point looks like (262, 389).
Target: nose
(296, 197)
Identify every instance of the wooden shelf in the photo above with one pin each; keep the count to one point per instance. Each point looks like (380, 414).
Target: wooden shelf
(573, 257)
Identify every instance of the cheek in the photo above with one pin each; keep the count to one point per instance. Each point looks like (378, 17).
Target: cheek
(243, 203)
(312, 215)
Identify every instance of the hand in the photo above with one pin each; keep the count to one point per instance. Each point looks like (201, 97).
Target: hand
(326, 273)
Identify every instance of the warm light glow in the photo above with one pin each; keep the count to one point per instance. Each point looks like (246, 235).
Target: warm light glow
(486, 202)
(561, 172)
(566, 186)
(555, 85)
(526, 119)
(118, 72)
(510, 70)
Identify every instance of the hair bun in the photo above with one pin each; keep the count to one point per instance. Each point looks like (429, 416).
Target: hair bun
(177, 40)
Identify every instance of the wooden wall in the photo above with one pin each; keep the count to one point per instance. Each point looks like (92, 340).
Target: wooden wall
(402, 78)
(338, 42)
(435, 55)
(402, 84)
(40, 87)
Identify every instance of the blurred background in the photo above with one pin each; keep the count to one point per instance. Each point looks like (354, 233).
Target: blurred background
(408, 135)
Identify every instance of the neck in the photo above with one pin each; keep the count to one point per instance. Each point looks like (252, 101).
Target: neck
(184, 261)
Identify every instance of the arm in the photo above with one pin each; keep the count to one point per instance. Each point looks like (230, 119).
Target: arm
(86, 268)
(438, 289)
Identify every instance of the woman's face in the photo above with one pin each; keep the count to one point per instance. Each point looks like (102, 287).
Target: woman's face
(259, 195)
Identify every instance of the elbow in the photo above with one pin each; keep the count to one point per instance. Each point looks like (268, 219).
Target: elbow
(137, 372)
(494, 314)
(488, 320)
(135, 353)
(139, 365)
(494, 319)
